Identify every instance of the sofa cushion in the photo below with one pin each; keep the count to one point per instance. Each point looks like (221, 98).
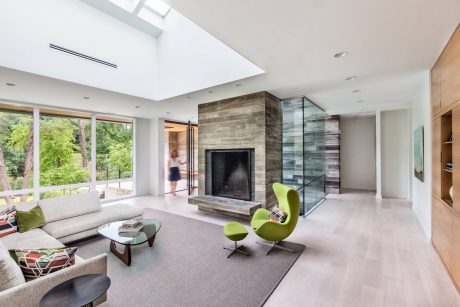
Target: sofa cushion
(8, 222)
(59, 208)
(10, 273)
(120, 212)
(62, 228)
(36, 263)
(78, 224)
(35, 238)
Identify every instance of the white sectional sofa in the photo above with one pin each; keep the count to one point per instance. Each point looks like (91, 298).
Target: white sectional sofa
(68, 219)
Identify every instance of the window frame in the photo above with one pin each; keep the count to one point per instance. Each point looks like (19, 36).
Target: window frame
(37, 189)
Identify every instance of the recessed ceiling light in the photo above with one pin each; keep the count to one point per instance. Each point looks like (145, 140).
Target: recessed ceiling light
(10, 84)
(86, 97)
(340, 54)
(351, 78)
(137, 107)
(210, 92)
(356, 91)
(238, 85)
(360, 101)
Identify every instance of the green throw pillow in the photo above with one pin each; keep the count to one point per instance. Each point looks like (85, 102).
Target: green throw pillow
(28, 220)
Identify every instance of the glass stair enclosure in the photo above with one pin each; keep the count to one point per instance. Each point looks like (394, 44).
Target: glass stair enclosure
(303, 150)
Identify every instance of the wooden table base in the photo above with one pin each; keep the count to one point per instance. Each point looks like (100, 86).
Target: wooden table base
(125, 255)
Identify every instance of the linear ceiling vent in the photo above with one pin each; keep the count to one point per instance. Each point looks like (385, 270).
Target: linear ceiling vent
(81, 55)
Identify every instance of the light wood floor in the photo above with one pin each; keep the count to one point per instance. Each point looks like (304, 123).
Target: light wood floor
(360, 252)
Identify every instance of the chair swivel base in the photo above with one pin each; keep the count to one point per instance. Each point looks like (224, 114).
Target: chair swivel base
(274, 245)
(236, 250)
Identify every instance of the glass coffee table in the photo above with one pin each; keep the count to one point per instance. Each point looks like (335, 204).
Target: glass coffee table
(146, 234)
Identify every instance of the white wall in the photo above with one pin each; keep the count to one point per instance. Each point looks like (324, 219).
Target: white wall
(191, 59)
(357, 153)
(395, 149)
(143, 157)
(421, 191)
(157, 174)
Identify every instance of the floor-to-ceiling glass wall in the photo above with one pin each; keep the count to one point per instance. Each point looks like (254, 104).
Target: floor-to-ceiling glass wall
(51, 152)
(181, 157)
(304, 150)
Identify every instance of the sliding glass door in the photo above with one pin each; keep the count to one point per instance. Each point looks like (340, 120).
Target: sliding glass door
(181, 151)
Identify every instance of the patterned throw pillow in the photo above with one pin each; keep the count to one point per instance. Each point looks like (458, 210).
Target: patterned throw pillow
(36, 263)
(278, 215)
(8, 223)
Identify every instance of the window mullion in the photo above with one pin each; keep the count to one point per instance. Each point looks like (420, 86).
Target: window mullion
(36, 155)
(93, 152)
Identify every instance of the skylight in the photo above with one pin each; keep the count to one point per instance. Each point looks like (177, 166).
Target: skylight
(138, 7)
(158, 7)
(144, 15)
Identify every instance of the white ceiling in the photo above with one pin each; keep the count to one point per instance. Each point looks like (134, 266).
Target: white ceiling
(390, 44)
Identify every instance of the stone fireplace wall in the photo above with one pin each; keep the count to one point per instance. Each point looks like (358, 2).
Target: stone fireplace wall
(250, 121)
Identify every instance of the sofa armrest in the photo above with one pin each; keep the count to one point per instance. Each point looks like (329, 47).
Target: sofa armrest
(30, 293)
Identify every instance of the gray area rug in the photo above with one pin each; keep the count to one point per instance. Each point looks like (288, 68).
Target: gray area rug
(187, 266)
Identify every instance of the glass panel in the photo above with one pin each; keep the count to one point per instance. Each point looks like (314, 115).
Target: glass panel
(303, 151)
(114, 190)
(114, 148)
(17, 199)
(65, 150)
(175, 142)
(16, 153)
(63, 192)
(292, 113)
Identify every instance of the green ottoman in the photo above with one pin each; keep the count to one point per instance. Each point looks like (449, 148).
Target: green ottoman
(236, 232)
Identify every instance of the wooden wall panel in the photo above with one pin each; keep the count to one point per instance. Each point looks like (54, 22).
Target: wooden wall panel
(445, 106)
(436, 88)
(455, 272)
(450, 71)
(442, 220)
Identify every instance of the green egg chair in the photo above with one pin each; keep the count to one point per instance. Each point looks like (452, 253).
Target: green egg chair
(275, 232)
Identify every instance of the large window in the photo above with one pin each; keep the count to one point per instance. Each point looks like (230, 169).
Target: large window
(16, 154)
(64, 154)
(114, 162)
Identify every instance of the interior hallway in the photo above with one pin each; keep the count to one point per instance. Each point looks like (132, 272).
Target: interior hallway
(361, 251)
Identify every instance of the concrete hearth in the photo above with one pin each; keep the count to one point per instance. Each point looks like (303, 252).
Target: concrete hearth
(228, 206)
(245, 122)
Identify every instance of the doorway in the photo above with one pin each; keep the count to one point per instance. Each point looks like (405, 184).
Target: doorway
(183, 139)
(357, 153)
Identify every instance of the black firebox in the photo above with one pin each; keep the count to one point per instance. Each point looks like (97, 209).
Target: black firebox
(230, 173)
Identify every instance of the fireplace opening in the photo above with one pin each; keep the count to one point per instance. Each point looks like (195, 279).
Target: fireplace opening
(230, 173)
